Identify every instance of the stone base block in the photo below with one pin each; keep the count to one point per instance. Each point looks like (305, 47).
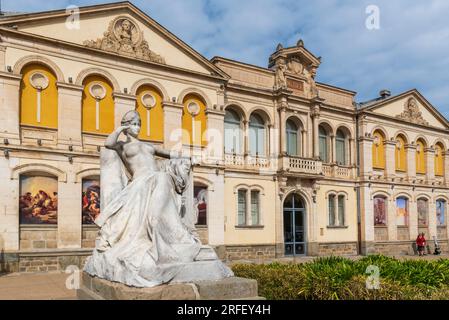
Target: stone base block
(234, 288)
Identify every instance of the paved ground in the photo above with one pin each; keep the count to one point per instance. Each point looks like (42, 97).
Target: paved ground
(43, 286)
(52, 286)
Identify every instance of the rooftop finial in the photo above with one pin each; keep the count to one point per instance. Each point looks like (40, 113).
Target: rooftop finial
(279, 47)
(300, 43)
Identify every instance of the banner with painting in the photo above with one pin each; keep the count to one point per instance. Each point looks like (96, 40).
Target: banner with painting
(423, 210)
(38, 201)
(402, 212)
(91, 201)
(380, 212)
(200, 203)
(441, 212)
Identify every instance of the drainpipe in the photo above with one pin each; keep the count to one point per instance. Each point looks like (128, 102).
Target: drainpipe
(359, 209)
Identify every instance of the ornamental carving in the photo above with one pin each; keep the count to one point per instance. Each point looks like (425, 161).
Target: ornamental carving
(124, 37)
(412, 113)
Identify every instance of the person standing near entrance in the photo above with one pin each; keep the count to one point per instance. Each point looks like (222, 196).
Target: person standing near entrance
(421, 244)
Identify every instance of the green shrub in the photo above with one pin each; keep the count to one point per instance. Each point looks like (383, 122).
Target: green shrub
(336, 278)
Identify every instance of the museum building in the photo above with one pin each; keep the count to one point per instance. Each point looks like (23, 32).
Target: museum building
(286, 166)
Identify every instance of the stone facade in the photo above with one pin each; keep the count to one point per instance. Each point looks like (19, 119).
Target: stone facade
(278, 150)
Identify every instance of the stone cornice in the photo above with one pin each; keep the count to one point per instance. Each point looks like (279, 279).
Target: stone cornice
(10, 76)
(69, 86)
(174, 105)
(123, 96)
(215, 111)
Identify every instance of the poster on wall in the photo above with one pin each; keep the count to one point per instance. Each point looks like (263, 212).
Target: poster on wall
(200, 202)
(91, 201)
(422, 212)
(380, 214)
(401, 212)
(38, 201)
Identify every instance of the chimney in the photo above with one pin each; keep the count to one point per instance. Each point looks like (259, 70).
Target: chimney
(385, 94)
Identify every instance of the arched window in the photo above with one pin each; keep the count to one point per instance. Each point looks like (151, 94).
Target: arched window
(423, 212)
(400, 154)
(341, 147)
(38, 97)
(98, 105)
(441, 212)
(380, 211)
(233, 132)
(257, 135)
(378, 150)
(341, 211)
(200, 202)
(293, 138)
(336, 207)
(324, 144)
(194, 121)
(420, 156)
(149, 106)
(90, 201)
(402, 211)
(439, 160)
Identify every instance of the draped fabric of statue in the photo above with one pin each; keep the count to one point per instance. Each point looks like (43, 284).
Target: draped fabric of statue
(144, 239)
(147, 235)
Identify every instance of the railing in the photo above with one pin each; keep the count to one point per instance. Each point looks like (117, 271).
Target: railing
(302, 165)
(335, 171)
(234, 160)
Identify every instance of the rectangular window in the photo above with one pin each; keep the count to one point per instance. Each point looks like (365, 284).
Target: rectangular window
(341, 210)
(255, 207)
(331, 210)
(292, 143)
(340, 150)
(323, 149)
(241, 207)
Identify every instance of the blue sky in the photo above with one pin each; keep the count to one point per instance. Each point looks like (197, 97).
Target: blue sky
(410, 50)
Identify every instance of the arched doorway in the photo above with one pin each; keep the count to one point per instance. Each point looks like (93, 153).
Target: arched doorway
(294, 226)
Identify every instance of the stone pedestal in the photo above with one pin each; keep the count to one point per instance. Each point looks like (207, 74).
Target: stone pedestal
(233, 288)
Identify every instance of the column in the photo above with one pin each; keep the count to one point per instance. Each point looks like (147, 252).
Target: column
(123, 103)
(366, 156)
(9, 215)
(9, 106)
(246, 150)
(333, 149)
(432, 220)
(304, 149)
(430, 164)
(69, 211)
(315, 114)
(446, 168)
(390, 163)
(214, 136)
(70, 115)
(367, 220)
(411, 161)
(216, 214)
(172, 125)
(282, 126)
(2, 58)
(391, 220)
(413, 219)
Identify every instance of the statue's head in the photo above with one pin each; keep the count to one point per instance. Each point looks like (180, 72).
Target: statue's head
(132, 119)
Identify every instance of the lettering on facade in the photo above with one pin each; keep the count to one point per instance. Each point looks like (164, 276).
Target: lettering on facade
(295, 85)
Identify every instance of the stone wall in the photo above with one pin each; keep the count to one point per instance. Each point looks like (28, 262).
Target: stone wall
(399, 248)
(441, 233)
(38, 237)
(203, 233)
(253, 252)
(380, 234)
(89, 235)
(337, 249)
(403, 234)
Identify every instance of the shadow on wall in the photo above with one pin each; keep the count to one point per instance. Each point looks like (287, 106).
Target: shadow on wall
(4, 266)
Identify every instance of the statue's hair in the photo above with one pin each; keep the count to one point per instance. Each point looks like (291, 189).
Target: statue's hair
(129, 117)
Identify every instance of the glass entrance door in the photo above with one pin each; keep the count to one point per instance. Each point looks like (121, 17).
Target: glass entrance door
(294, 226)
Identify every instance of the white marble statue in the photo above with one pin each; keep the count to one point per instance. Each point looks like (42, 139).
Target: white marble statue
(146, 238)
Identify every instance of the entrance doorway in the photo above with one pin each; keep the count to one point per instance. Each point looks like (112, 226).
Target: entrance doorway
(294, 226)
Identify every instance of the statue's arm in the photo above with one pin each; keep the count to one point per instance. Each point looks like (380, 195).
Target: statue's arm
(168, 154)
(112, 140)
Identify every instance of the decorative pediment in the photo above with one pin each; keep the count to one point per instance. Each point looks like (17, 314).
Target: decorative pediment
(124, 37)
(412, 113)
